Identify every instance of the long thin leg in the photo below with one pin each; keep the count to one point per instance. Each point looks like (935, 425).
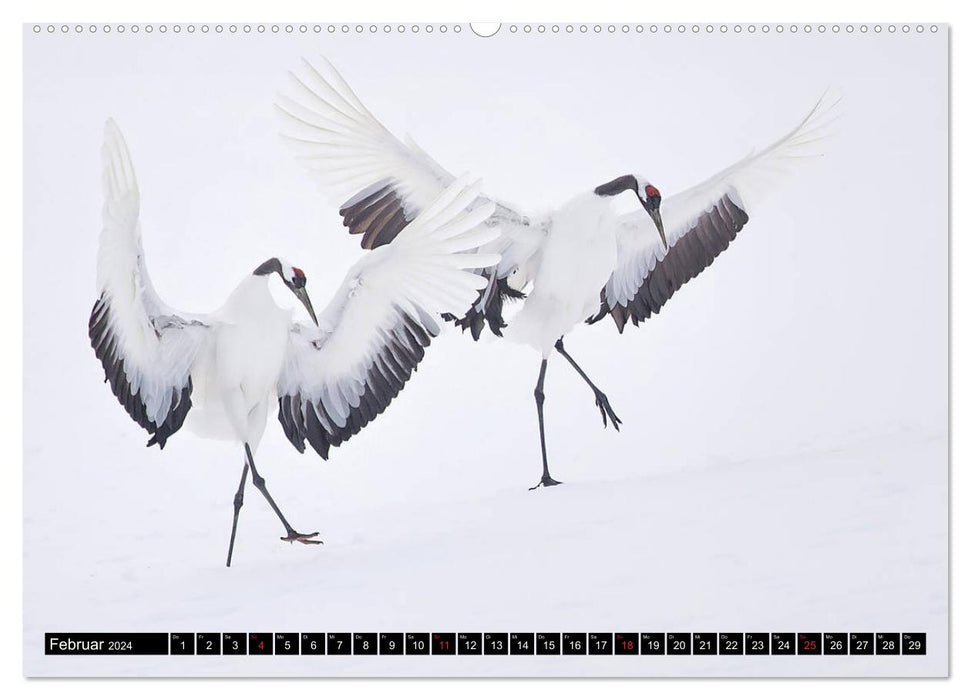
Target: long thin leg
(260, 484)
(601, 398)
(547, 480)
(237, 504)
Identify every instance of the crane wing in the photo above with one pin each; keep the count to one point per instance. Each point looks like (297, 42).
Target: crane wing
(700, 223)
(146, 348)
(339, 377)
(382, 183)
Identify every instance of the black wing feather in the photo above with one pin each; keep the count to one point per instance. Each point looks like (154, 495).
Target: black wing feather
(106, 345)
(697, 249)
(385, 378)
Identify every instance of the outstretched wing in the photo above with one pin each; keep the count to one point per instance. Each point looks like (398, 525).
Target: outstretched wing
(372, 336)
(700, 224)
(146, 349)
(383, 183)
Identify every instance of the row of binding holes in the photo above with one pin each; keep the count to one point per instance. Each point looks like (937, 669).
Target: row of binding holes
(257, 28)
(513, 28)
(711, 29)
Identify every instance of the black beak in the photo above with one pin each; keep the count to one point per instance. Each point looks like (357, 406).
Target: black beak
(656, 215)
(301, 294)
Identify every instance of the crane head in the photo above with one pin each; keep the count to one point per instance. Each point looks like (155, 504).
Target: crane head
(294, 279)
(650, 198)
(647, 194)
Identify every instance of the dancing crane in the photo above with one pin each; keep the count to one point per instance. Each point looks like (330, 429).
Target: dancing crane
(583, 262)
(221, 371)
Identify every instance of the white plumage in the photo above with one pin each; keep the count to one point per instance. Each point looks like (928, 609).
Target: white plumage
(158, 345)
(230, 365)
(337, 377)
(564, 293)
(584, 261)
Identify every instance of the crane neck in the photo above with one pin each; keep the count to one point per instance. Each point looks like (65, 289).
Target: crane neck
(617, 186)
(252, 299)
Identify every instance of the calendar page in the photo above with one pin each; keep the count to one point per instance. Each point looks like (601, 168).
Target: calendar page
(544, 350)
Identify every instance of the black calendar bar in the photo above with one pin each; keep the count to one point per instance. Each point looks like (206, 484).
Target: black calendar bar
(365, 644)
(122, 644)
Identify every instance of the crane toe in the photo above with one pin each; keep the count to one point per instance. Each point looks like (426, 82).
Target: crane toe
(606, 411)
(302, 538)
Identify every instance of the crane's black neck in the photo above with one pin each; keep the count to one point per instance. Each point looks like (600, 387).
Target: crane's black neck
(616, 186)
(269, 267)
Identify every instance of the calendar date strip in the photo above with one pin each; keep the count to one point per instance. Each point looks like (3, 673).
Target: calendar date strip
(488, 644)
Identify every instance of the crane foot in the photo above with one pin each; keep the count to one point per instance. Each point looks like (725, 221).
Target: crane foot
(295, 536)
(547, 480)
(605, 410)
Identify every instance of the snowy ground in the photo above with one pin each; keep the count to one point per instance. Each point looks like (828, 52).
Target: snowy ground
(783, 459)
(823, 540)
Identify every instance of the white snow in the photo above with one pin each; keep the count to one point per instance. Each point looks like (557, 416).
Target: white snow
(816, 540)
